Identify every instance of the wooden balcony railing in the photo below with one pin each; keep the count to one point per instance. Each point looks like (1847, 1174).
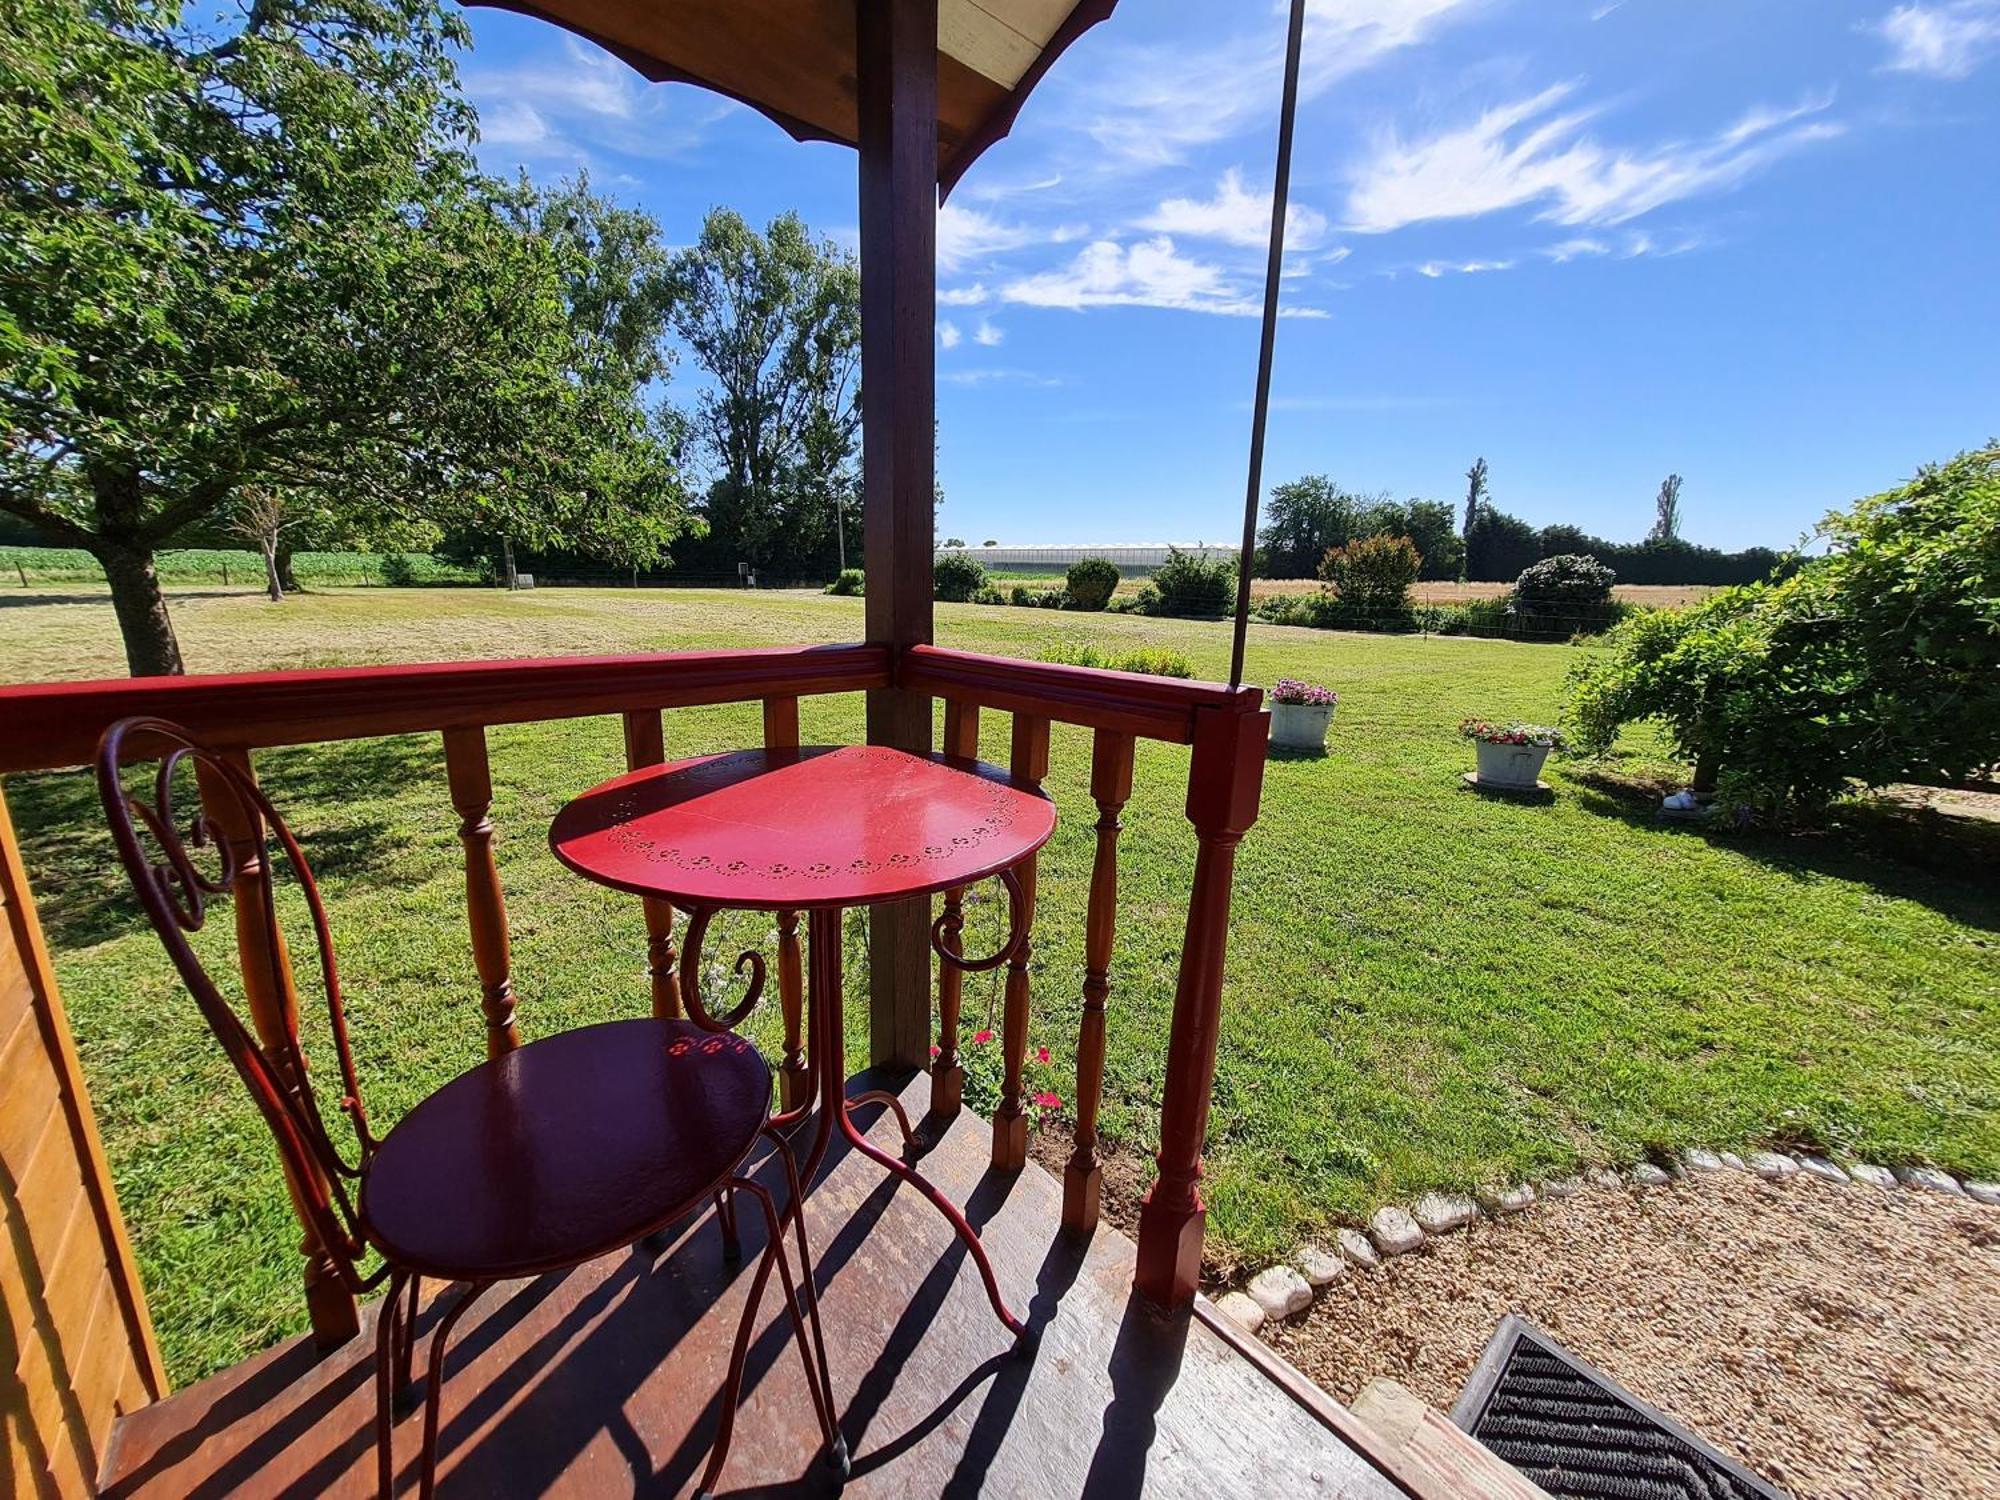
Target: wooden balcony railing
(57, 725)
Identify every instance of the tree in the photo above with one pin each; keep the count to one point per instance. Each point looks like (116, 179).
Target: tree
(775, 321)
(252, 261)
(1430, 525)
(1304, 518)
(616, 492)
(1499, 546)
(1667, 511)
(1475, 497)
(1877, 663)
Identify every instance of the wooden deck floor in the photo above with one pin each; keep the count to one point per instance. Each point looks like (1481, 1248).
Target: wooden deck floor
(602, 1382)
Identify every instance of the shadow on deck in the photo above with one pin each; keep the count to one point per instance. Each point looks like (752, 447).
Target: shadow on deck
(603, 1381)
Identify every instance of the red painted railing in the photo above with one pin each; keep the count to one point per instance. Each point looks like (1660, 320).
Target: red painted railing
(49, 726)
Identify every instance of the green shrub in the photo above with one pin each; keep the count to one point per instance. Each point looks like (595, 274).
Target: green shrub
(1370, 579)
(1189, 585)
(1563, 596)
(955, 578)
(1152, 661)
(989, 595)
(852, 583)
(1091, 582)
(1877, 663)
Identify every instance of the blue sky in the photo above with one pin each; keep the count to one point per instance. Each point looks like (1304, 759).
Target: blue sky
(1593, 241)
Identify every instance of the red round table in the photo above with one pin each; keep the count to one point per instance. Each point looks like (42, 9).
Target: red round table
(816, 830)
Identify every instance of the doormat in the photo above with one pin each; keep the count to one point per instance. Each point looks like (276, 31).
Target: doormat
(1576, 1432)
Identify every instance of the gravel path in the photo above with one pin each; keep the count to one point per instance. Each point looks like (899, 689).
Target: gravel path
(1841, 1341)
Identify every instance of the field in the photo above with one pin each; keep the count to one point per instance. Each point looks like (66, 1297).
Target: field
(1426, 988)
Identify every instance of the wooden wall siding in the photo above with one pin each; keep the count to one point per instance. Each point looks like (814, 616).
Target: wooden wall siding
(76, 1345)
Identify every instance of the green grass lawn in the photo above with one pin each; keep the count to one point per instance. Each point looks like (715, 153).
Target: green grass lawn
(1426, 988)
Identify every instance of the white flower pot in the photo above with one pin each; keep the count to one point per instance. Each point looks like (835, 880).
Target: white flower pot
(1300, 726)
(1514, 766)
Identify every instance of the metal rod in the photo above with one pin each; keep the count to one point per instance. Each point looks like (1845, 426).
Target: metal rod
(1280, 191)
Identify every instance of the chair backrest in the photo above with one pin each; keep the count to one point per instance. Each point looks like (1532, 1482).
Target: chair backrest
(233, 826)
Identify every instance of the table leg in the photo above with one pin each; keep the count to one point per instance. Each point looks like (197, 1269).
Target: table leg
(823, 959)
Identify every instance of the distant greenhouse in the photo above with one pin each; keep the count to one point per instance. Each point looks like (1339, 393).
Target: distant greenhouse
(1132, 556)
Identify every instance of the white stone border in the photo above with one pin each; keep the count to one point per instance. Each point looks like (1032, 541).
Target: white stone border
(1287, 1289)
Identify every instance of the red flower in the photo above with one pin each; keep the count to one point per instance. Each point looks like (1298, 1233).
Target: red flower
(1041, 1054)
(1049, 1101)
(983, 1035)
(935, 1049)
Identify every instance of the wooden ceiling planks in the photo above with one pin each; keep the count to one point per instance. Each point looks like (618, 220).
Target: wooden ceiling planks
(793, 60)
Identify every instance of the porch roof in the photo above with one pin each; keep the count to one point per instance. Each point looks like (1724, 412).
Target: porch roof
(794, 60)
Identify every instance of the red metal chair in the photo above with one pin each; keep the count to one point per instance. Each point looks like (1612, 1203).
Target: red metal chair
(551, 1155)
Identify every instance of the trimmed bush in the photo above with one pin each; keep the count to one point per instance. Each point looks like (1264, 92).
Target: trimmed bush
(1563, 596)
(1190, 586)
(1091, 582)
(955, 578)
(1370, 580)
(852, 583)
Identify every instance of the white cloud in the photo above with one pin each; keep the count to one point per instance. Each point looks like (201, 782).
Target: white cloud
(1437, 268)
(1148, 273)
(1236, 216)
(1576, 249)
(999, 375)
(575, 100)
(1527, 153)
(989, 335)
(948, 334)
(963, 296)
(1941, 41)
(1157, 104)
(965, 236)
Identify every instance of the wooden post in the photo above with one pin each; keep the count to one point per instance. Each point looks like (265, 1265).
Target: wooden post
(1225, 779)
(274, 1016)
(1029, 763)
(781, 732)
(961, 738)
(76, 1344)
(471, 781)
(896, 83)
(646, 745)
(1110, 788)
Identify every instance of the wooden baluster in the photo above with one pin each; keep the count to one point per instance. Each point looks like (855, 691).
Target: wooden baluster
(961, 738)
(1110, 788)
(1029, 763)
(646, 745)
(274, 1015)
(1225, 778)
(471, 781)
(781, 732)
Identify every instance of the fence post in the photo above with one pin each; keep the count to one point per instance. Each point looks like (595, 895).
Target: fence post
(1110, 788)
(1029, 763)
(471, 781)
(646, 745)
(1225, 780)
(961, 739)
(781, 732)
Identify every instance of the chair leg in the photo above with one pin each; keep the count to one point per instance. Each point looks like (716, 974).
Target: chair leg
(725, 1216)
(732, 1390)
(406, 1343)
(387, 1340)
(434, 1387)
